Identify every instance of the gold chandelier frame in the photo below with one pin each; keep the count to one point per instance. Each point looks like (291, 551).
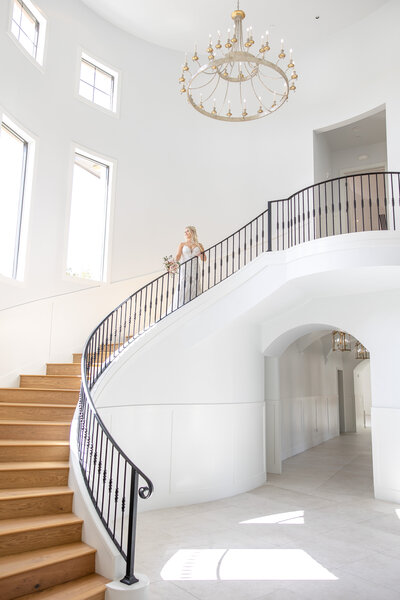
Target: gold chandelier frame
(271, 78)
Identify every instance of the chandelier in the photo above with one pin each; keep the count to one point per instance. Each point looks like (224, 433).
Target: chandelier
(340, 341)
(236, 85)
(360, 351)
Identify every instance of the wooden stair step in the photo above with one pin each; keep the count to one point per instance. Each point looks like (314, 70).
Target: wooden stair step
(111, 348)
(36, 412)
(33, 450)
(63, 369)
(34, 571)
(34, 430)
(65, 382)
(91, 587)
(77, 357)
(39, 396)
(33, 533)
(32, 502)
(33, 474)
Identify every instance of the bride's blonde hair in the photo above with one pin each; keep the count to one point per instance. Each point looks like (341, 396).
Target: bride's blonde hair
(193, 231)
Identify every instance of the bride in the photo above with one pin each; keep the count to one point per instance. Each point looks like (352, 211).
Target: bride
(188, 255)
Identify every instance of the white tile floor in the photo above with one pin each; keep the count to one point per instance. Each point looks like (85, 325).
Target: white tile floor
(321, 534)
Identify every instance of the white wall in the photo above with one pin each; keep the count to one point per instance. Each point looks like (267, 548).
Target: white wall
(329, 164)
(52, 329)
(189, 408)
(347, 160)
(362, 393)
(322, 158)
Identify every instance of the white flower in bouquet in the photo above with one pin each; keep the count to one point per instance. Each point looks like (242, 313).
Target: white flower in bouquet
(171, 264)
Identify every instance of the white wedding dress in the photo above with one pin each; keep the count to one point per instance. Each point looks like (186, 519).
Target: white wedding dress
(187, 284)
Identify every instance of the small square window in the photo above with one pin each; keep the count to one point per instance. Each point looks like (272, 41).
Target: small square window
(98, 83)
(28, 26)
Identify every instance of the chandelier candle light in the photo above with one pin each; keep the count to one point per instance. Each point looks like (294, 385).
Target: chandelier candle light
(236, 85)
(340, 341)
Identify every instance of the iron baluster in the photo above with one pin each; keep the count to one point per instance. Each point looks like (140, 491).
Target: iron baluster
(116, 494)
(370, 204)
(110, 485)
(256, 224)
(104, 476)
(326, 211)
(145, 310)
(99, 467)
(362, 203)
(130, 559)
(123, 504)
(95, 455)
(319, 211)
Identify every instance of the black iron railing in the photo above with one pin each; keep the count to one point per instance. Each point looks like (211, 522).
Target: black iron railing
(348, 204)
(365, 202)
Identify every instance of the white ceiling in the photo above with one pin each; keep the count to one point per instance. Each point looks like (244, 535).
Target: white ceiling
(370, 130)
(179, 24)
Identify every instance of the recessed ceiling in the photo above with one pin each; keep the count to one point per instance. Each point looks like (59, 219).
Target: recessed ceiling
(179, 24)
(363, 132)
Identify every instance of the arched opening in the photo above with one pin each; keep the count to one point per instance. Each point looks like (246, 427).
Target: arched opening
(314, 393)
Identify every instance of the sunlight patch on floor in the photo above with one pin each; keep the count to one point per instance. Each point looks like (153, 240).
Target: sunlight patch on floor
(244, 565)
(295, 517)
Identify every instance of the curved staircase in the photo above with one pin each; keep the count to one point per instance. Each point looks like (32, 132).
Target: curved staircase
(42, 555)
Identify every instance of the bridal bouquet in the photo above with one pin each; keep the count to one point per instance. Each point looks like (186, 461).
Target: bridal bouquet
(171, 264)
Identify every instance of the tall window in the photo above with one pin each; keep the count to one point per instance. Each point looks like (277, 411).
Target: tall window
(13, 162)
(28, 26)
(98, 83)
(89, 218)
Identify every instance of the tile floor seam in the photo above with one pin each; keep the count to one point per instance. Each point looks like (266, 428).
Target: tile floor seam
(184, 590)
(375, 583)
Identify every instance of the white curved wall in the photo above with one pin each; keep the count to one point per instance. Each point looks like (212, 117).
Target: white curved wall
(362, 393)
(187, 399)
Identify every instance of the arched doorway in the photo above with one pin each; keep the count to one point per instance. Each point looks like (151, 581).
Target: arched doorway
(313, 392)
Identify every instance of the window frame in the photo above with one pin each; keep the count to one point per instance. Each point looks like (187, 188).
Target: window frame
(111, 163)
(25, 196)
(107, 69)
(41, 20)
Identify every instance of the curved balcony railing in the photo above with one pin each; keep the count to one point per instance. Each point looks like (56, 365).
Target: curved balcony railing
(350, 204)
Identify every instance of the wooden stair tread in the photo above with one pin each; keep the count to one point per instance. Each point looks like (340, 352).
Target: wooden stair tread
(46, 390)
(63, 364)
(78, 589)
(34, 491)
(55, 376)
(25, 561)
(34, 405)
(11, 526)
(30, 423)
(34, 443)
(24, 465)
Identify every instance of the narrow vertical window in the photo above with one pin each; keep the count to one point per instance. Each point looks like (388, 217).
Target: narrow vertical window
(13, 162)
(98, 83)
(89, 218)
(28, 26)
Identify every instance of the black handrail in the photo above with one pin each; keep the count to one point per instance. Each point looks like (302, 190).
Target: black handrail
(362, 202)
(348, 204)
